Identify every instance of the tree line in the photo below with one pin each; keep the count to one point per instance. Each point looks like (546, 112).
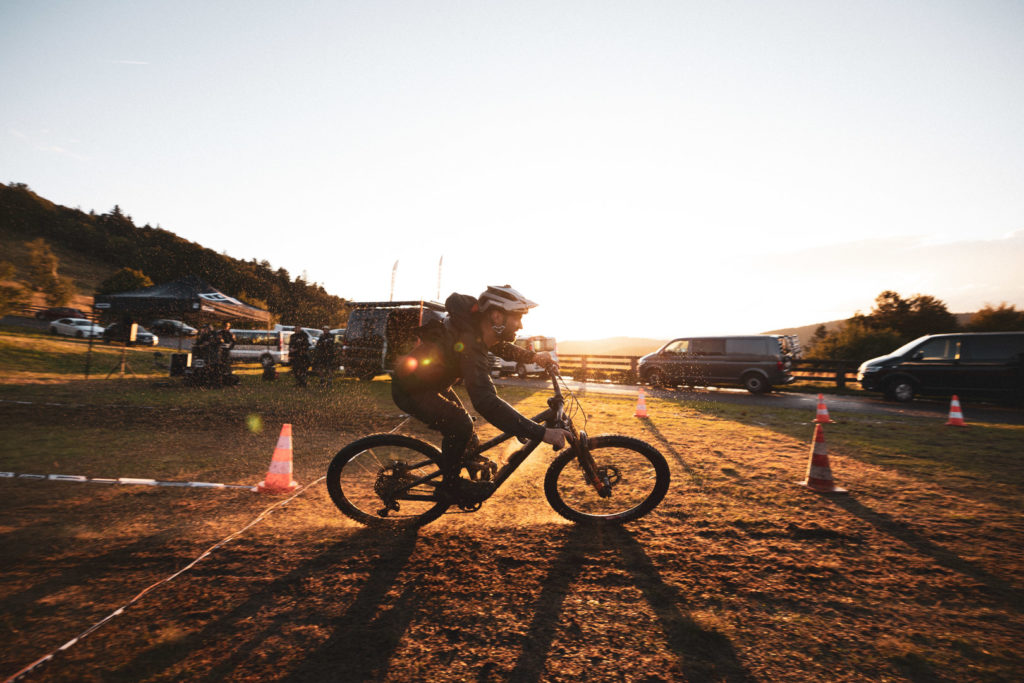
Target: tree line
(144, 255)
(895, 320)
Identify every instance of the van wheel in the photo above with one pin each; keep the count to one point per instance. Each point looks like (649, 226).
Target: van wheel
(656, 378)
(756, 384)
(901, 390)
(521, 371)
(267, 361)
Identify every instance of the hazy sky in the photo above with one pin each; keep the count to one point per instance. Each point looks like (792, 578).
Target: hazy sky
(640, 168)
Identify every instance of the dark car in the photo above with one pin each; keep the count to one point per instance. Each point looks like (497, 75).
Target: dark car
(60, 312)
(377, 333)
(172, 328)
(118, 332)
(755, 362)
(985, 364)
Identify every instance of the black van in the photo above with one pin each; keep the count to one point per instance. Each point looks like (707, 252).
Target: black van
(986, 364)
(379, 332)
(755, 362)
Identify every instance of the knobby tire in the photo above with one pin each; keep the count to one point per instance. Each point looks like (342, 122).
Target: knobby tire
(359, 465)
(643, 482)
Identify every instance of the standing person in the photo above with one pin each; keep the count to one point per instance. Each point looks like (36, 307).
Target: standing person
(227, 342)
(205, 344)
(298, 354)
(456, 348)
(324, 356)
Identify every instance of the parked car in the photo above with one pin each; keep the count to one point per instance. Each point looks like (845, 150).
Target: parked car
(501, 367)
(118, 332)
(378, 333)
(986, 364)
(313, 332)
(755, 362)
(59, 312)
(172, 328)
(268, 347)
(76, 327)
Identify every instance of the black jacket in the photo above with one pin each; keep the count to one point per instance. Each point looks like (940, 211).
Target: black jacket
(452, 349)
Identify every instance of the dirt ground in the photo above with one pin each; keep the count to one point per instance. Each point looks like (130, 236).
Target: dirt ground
(740, 575)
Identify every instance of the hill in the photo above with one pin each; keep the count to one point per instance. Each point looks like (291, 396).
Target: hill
(637, 346)
(612, 346)
(92, 247)
(806, 332)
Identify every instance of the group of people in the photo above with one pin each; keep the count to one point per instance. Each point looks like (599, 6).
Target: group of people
(304, 354)
(214, 347)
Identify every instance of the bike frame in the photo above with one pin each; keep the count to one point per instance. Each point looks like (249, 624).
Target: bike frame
(553, 416)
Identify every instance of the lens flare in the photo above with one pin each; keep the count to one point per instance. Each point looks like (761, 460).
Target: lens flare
(254, 423)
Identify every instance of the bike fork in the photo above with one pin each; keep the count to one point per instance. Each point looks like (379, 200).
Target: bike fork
(600, 481)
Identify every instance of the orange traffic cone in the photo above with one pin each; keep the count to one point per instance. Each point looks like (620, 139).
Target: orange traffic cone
(641, 404)
(819, 473)
(822, 416)
(956, 417)
(279, 476)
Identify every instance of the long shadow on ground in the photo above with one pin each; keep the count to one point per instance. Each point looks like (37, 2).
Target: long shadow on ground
(998, 588)
(702, 654)
(370, 644)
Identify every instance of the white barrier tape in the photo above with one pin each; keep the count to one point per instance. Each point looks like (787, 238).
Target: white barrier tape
(120, 610)
(86, 405)
(125, 480)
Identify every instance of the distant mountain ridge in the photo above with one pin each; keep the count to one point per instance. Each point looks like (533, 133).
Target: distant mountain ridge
(639, 346)
(806, 332)
(612, 346)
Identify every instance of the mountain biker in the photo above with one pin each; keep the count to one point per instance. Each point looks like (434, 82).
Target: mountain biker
(456, 348)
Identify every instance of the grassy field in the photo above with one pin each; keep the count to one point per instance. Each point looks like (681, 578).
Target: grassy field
(740, 575)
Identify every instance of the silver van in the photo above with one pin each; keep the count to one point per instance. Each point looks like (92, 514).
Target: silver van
(755, 362)
(266, 347)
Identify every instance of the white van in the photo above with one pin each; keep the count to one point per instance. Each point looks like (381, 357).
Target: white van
(313, 332)
(500, 366)
(267, 347)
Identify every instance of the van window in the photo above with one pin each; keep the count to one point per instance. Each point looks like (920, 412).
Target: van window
(368, 322)
(995, 348)
(708, 347)
(679, 346)
(938, 349)
(747, 347)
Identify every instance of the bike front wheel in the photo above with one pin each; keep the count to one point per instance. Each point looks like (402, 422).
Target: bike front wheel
(387, 480)
(634, 473)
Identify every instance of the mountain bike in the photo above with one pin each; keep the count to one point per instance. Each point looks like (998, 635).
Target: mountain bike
(393, 480)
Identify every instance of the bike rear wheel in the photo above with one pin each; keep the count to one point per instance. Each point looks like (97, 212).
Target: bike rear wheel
(387, 480)
(635, 472)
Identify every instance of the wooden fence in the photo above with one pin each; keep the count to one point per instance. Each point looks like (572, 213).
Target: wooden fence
(838, 371)
(623, 369)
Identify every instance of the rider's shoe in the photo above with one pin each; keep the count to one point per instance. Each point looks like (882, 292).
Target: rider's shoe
(466, 491)
(480, 468)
